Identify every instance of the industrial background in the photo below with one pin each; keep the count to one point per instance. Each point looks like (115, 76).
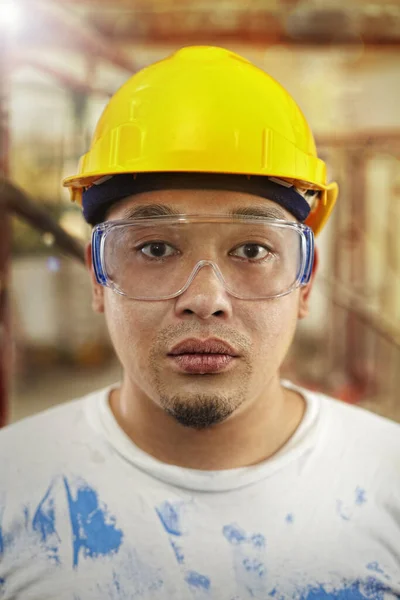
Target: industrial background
(59, 63)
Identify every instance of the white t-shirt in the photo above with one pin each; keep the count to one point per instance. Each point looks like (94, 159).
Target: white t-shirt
(86, 515)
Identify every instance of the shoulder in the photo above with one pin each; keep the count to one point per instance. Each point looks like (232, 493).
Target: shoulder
(46, 433)
(347, 416)
(359, 438)
(361, 422)
(353, 432)
(45, 422)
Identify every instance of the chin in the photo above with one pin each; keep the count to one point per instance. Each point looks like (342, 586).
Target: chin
(199, 411)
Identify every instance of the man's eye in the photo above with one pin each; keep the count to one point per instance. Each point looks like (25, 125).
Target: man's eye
(157, 250)
(251, 252)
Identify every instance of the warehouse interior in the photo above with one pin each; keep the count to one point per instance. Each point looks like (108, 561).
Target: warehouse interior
(59, 64)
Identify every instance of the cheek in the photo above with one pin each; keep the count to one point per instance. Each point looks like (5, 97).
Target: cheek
(273, 323)
(132, 327)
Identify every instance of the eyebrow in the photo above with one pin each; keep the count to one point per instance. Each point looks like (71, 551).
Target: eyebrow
(165, 210)
(148, 211)
(268, 212)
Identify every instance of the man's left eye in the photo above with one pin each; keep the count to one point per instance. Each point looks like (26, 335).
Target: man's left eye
(251, 251)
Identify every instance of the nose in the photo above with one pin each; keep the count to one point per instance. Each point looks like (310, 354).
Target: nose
(206, 295)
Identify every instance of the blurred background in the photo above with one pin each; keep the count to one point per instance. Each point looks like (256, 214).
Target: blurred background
(59, 63)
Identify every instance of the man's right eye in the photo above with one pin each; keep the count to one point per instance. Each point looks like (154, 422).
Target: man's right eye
(157, 250)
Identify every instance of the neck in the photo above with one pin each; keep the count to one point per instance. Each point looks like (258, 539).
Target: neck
(255, 432)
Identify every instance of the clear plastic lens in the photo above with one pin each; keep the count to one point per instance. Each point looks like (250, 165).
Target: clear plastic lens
(253, 259)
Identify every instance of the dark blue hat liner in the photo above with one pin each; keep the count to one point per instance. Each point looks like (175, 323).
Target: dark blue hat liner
(98, 199)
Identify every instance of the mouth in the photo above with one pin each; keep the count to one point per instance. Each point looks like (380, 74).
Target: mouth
(203, 356)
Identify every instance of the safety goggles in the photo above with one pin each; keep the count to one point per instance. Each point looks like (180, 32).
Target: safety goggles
(157, 258)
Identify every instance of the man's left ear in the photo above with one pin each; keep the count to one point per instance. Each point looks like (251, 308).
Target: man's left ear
(304, 300)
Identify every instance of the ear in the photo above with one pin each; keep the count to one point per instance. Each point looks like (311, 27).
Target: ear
(304, 299)
(97, 289)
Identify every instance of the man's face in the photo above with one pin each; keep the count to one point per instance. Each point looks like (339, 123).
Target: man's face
(145, 333)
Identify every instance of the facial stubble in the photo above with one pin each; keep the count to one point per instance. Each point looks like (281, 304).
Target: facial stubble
(206, 407)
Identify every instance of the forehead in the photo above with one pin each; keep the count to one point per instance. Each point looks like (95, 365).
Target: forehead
(196, 202)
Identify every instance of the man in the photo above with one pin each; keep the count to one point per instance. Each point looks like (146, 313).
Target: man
(201, 475)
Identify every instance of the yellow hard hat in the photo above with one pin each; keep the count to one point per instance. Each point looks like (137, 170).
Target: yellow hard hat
(206, 110)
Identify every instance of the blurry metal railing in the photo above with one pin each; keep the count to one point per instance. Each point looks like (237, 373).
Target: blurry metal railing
(14, 201)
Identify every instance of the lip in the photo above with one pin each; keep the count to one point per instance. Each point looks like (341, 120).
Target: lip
(208, 347)
(203, 356)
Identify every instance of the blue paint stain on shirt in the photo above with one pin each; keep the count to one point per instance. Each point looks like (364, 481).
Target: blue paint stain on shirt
(254, 566)
(93, 528)
(258, 540)
(26, 516)
(248, 554)
(180, 557)
(360, 496)
(2, 581)
(197, 580)
(116, 582)
(234, 534)
(44, 523)
(376, 589)
(44, 518)
(289, 518)
(342, 511)
(371, 589)
(169, 517)
(1, 530)
(374, 566)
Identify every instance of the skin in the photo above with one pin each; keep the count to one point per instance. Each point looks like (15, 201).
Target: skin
(213, 422)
